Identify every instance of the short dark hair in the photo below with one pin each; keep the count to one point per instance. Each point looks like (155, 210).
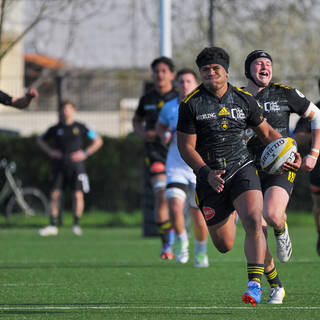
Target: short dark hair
(186, 71)
(64, 102)
(213, 55)
(164, 60)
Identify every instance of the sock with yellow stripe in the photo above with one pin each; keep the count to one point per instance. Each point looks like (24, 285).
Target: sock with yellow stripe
(255, 272)
(164, 229)
(273, 278)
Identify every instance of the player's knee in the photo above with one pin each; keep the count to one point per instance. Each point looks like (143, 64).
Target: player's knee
(252, 223)
(223, 245)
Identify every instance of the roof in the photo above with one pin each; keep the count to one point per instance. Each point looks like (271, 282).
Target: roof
(44, 61)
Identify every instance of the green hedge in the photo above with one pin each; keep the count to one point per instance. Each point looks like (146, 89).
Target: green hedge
(115, 171)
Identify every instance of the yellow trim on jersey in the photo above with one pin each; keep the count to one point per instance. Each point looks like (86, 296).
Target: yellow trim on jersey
(281, 85)
(244, 91)
(192, 93)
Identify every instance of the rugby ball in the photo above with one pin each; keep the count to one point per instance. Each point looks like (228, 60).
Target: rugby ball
(277, 153)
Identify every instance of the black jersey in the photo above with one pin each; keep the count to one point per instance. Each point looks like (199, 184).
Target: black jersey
(149, 109)
(219, 125)
(278, 102)
(5, 99)
(68, 138)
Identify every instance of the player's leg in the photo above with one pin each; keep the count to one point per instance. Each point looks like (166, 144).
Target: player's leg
(79, 183)
(276, 199)
(176, 196)
(249, 207)
(201, 238)
(277, 292)
(57, 184)
(161, 211)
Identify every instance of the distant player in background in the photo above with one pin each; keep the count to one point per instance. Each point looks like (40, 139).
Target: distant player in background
(64, 143)
(181, 181)
(19, 103)
(144, 121)
(278, 102)
(303, 135)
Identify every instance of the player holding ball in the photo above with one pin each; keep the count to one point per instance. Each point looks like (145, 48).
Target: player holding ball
(278, 102)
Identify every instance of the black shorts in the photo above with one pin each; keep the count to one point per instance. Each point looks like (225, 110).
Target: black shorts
(73, 176)
(156, 158)
(314, 177)
(284, 180)
(216, 207)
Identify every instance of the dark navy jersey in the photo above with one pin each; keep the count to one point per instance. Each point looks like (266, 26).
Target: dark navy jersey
(149, 109)
(278, 102)
(68, 138)
(5, 99)
(219, 125)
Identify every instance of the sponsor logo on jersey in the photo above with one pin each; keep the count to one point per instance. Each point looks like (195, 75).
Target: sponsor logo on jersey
(206, 116)
(223, 112)
(75, 131)
(60, 132)
(237, 113)
(271, 106)
(224, 123)
(160, 104)
(150, 107)
(208, 213)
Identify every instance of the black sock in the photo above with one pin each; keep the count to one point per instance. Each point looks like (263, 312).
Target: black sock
(53, 221)
(255, 272)
(164, 229)
(76, 220)
(273, 278)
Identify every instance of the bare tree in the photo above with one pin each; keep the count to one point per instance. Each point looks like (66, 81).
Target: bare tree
(74, 12)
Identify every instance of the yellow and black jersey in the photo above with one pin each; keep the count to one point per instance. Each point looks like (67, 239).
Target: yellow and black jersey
(219, 125)
(278, 102)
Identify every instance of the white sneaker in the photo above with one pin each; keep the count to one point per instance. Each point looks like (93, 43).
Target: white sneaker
(182, 251)
(48, 231)
(77, 230)
(284, 247)
(201, 260)
(276, 295)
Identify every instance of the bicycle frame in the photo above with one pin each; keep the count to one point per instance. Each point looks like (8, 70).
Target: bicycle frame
(11, 186)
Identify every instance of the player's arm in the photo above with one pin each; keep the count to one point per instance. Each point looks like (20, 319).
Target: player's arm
(52, 153)
(163, 131)
(139, 128)
(23, 102)
(313, 115)
(187, 149)
(95, 145)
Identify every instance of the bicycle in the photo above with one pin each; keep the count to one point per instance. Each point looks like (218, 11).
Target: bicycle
(18, 200)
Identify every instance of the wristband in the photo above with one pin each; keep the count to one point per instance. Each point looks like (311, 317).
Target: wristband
(203, 173)
(312, 156)
(314, 153)
(86, 153)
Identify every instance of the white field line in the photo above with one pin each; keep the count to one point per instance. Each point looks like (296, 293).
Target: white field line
(25, 308)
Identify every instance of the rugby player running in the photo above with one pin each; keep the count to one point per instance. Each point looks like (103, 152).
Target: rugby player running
(278, 102)
(181, 181)
(211, 126)
(144, 121)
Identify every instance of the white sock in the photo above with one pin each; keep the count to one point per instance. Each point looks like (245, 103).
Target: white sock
(201, 246)
(183, 237)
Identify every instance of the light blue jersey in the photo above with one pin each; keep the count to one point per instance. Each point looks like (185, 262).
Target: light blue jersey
(176, 169)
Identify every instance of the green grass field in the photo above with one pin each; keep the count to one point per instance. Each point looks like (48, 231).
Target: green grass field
(115, 273)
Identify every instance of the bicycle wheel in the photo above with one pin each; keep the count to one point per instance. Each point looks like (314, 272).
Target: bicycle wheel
(35, 200)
